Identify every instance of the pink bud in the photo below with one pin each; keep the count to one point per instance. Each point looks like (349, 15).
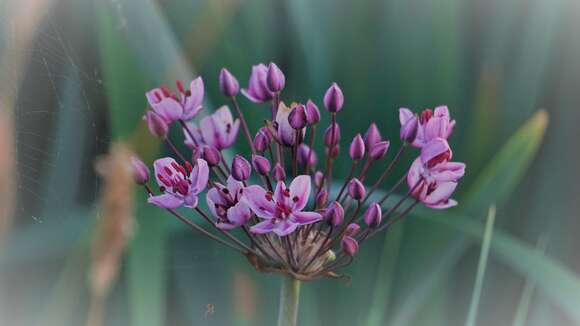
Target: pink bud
(373, 215)
(140, 171)
(349, 246)
(321, 198)
(335, 214)
(261, 141)
(357, 148)
(279, 173)
(333, 99)
(356, 189)
(312, 113)
(409, 130)
(318, 179)
(333, 152)
(157, 126)
(379, 150)
(228, 83)
(306, 154)
(275, 78)
(332, 135)
(211, 155)
(241, 168)
(261, 164)
(352, 229)
(297, 118)
(372, 136)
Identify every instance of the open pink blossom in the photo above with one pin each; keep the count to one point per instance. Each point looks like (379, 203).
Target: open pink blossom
(179, 184)
(432, 177)
(432, 124)
(218, 130)
(282, 210)
(225, 204)
(258, 91)
(172, 107)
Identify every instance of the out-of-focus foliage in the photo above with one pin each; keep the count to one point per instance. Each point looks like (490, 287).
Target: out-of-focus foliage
(78, 83)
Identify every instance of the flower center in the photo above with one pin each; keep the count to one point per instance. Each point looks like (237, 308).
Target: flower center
(176, 178)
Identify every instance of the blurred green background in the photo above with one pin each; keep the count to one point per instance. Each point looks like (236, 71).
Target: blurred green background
(72, 79)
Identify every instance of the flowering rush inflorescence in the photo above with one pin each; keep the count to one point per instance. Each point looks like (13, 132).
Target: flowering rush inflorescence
(279, 207)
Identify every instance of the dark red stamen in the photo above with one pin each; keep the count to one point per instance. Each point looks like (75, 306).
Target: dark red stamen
(180, 86)
(425, 115)
(443, 157)
(188, 167)
(163, 180)
(287, 192)
(295, 199)
(269, 196)
(166, 91)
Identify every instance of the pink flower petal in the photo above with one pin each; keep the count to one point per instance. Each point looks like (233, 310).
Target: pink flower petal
(263, 227)
(166, 201)
(303, 218)
(300, 191)
(256, 198)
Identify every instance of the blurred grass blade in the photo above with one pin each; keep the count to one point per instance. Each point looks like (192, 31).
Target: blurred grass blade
(381, 292)
(529, 288)
(557, 281)
(481, 267)
(508, 166)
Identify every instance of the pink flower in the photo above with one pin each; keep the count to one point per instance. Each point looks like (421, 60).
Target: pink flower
(286, 133)
(282, 210)
(218, 130)
(432, 124)
(432, 177)
(172, 107)
(258, 91)
(225, 204)
(180, 184)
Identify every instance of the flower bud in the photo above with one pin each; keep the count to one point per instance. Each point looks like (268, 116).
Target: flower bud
(352, 229)
(241, 168)
(379, 150)
(333, 152)
(312, 113)
(333, 99)
(373, 215)
(196, 153)
(297, 118)
(275, 78)
(332, 135)
(318, 179)
(261, 141)
(335, 214)
(349, 246)
(409, 130)
(357, 148)
(267, 133)
(140, 171)
(157, 126)
(211, 155)
(306, 155)
(321, 198)
(228, 83)
(356, 189)
(261, 164)
(372, 136)
(279, 173)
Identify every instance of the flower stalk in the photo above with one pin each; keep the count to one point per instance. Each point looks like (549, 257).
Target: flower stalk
(289, 301)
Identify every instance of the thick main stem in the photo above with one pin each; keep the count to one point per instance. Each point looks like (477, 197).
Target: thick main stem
(289, 299)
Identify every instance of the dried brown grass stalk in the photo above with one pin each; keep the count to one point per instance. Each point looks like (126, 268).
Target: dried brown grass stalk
(114, 228)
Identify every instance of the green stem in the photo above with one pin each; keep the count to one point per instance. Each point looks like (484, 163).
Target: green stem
(289, 298)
